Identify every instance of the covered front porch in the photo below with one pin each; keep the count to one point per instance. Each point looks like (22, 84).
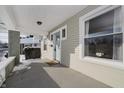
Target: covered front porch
(37, 73)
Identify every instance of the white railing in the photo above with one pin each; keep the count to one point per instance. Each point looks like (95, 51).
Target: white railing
(3, 66)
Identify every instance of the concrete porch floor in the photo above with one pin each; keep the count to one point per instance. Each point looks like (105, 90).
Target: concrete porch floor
(37, 74)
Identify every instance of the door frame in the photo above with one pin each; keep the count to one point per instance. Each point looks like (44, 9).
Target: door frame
(52, 33)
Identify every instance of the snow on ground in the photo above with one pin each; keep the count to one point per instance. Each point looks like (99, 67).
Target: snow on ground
(25, 64)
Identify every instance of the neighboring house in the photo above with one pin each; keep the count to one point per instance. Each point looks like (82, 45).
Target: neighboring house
(34, 40)
(90, 42)
(29, 40)
(3, 45)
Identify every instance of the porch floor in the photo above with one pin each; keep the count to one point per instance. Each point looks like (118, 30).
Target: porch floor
(37, 74)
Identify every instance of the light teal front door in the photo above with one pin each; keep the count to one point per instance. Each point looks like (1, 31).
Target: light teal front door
(57, 46)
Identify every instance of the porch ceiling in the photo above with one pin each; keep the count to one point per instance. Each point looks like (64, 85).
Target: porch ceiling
(24, 17)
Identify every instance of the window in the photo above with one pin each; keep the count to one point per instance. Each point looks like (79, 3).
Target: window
(103, 37)
(45, 45)
(102, 24)
(108, 46)
(64, 32)
(3, 45)
(51, 37)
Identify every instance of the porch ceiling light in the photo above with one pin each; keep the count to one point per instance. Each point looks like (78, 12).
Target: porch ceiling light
(39, 23)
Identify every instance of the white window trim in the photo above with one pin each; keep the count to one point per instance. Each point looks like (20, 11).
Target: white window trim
(64, 27)
(98, 11)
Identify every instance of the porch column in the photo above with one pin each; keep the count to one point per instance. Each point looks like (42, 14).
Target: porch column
(14, 45)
